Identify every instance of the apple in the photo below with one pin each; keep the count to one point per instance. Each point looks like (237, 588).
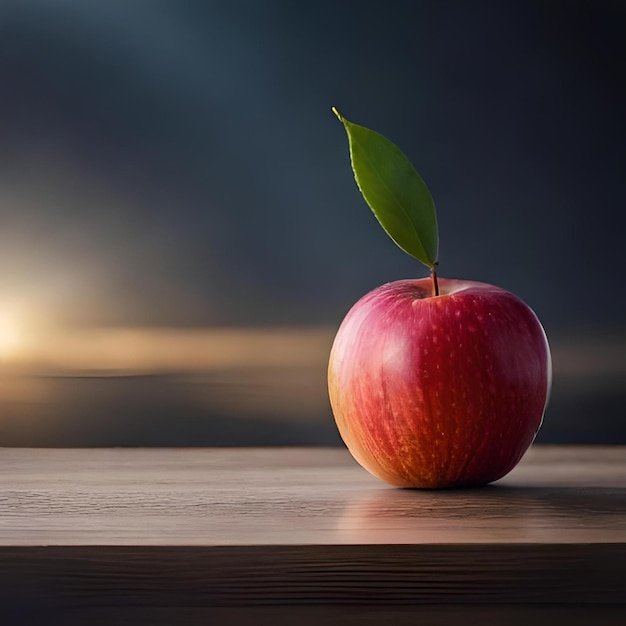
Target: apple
(439, 391)
(433, 382)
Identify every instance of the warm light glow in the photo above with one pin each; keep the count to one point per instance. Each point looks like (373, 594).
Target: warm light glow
(9, 334)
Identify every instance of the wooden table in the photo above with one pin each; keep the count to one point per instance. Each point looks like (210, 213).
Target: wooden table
(305, 536)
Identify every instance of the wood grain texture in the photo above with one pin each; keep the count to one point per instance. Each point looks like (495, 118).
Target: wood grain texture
(220, 497)
(139, 530)
(317, 575)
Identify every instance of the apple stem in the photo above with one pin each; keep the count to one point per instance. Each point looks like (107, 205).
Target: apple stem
(433, 277)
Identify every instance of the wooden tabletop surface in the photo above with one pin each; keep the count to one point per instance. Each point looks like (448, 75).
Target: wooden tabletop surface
(305, 526)
(274, 496)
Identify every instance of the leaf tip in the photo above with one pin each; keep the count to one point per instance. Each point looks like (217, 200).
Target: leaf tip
(339, 116)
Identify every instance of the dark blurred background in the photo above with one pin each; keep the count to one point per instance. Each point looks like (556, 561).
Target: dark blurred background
(181, 235)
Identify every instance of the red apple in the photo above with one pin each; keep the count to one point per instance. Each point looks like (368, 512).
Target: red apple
(439, 391)
(432, 383)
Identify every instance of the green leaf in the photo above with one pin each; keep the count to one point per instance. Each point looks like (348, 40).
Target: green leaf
(394, 191)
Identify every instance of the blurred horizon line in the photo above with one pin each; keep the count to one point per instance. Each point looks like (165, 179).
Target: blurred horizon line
(158, 349)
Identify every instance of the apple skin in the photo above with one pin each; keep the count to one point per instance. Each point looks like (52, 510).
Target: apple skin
(444, 391)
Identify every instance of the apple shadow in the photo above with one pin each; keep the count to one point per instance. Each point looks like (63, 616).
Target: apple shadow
(494, 512)
(580, 500)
